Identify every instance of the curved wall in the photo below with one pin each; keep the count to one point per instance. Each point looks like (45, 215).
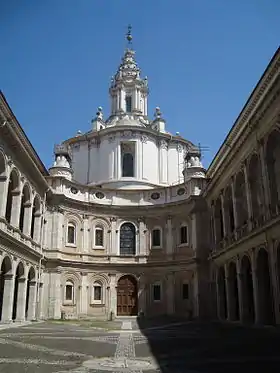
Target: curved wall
(157, 160)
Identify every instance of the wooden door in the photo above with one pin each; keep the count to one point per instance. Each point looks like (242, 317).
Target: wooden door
(127, 296)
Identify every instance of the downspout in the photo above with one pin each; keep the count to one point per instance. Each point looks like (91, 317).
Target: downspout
(37, 316)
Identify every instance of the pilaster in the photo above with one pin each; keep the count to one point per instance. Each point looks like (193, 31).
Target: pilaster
(169, 296)
(3, 194)
(255, 287)
(240, 290)
(8, 297)
(248, 197)
(31, 310)
(169, 236)
(21, 299)
(16, 202)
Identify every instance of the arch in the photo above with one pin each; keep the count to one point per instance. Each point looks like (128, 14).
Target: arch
(241, 199)
(6, 268)
(233, 292)
(247, 290)
(13, 188)
(127, 239)
(19, 275)
(255, 184)
(272, 158)
(221, 287)
(264, 288)
(24, 206)
(127, 296)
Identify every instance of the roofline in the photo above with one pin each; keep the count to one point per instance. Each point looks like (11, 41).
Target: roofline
(224, 146)
(27, 144)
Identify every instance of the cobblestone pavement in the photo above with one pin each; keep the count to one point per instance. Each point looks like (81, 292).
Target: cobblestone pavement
(146, 347)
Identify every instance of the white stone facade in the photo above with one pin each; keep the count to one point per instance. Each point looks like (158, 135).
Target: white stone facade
(126, 223)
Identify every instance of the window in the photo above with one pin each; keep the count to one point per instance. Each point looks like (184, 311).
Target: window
(69, 291)
(185, 291)
(183, 234)
(99, 237)
(127, 158)
(128, 104)
(127, 239)
(156, 292)
(97, 293)
(156, 237)
(71, 234)
(128, 165)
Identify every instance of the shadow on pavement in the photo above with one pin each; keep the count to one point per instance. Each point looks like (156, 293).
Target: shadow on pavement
(183, 346)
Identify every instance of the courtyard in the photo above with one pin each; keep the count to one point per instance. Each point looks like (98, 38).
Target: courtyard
(162, 345)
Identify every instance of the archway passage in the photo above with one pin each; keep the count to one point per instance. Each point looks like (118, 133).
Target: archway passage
(233, 293)
(264, 288)
(127, 297)
(18, 277)
(222, 300)
(6, 268)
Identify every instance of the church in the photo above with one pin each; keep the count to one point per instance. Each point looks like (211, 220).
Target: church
(127, 222)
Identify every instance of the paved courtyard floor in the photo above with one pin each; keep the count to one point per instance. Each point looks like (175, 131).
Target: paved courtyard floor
(129, 346)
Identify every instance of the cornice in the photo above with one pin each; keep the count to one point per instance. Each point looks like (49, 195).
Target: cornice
(98, 135)
(266, 81)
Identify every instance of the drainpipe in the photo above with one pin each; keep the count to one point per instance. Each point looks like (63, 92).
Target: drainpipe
(37, 316)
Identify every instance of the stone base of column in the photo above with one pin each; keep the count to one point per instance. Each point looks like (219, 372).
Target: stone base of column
(6, 321)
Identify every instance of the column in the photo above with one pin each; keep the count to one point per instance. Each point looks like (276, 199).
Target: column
(3, 193)
(169, 237)
(220, 317)
(169, 298)
(248, 197)
(240, 290)
(113, 237)
(40, 302)
(228, 294)
(55, 295)
(274, 281)
(85, 246)
(84, 295)
(8, 297)
(21, 299)
(31, 310)
(142, 295)
(264, 179)
(112, 295)
(142, 239)
(223, 213)
(27, 218)
(255, 287)
(16, 202)
(234, 205)
(37, 227)
(212, 212)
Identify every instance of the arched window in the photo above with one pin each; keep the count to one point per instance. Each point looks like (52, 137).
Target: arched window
(71, 234)
(35, 230)
(12, 195)
(25, 203)
(183, 239)
(127, 239)
(156, 237)
(99, 236)
(69, 291)
(97, 293)
(127, 165)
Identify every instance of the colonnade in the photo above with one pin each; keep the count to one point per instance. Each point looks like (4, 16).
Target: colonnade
(18, 288)
(248, 287)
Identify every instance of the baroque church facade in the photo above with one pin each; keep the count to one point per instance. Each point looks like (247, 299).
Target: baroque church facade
(127, 221)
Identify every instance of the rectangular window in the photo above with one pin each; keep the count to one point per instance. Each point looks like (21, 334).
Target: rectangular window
(128, 104)
(97, 293)
(69, 292)
(185, 291)
(184, 234)
(128, 159)
(156, 292)
(156, 237)
(99, 237)
(71, 234)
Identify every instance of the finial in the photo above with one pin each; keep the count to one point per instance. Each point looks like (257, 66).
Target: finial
(128, 35)
(157, 113)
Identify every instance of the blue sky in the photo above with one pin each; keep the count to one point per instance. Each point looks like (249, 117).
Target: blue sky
(202, 58)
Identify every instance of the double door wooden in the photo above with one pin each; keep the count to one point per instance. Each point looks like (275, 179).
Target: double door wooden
(127, 296)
